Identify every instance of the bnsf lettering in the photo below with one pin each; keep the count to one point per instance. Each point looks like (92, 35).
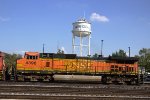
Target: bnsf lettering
(31, 62)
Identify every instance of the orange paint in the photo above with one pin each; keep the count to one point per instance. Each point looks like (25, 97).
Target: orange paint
(32, 61)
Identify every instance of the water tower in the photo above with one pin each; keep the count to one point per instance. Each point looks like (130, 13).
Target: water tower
(81, 32)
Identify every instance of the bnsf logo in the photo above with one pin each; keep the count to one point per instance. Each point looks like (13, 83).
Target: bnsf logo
(31, 62)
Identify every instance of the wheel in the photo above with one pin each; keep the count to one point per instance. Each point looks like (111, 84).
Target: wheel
(104, 79)
(51, 79)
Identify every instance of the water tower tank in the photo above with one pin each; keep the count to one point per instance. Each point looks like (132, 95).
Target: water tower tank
(81, 28)
(81, 35)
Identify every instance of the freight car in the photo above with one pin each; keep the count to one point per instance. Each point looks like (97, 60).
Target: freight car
(44, 66)
(2, 66)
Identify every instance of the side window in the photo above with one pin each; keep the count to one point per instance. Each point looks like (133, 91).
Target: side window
(33, 57)
(28, 57)
(120, 68)
(47, 64)
(130, 69)
(127, 68)
(114, 68)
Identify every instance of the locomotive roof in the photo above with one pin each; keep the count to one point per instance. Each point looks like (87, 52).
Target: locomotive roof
(54, 55)
(74, 56)
(123, 58)
(32, 53)
(118, 59)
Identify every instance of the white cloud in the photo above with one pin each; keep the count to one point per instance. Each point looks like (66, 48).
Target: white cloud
(4, 19)
(98, 17)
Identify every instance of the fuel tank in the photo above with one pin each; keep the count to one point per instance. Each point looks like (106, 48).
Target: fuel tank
(82, 78)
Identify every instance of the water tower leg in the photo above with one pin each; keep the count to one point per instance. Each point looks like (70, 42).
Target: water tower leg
(73, 45)
(80, 45)
(89, 44)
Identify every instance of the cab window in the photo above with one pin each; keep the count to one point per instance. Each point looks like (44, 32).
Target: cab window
(32, 57)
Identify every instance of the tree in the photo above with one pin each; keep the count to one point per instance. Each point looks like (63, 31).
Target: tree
(120, 53)
(10, 60)
(95, 55)
(60, 51)
(144, 58)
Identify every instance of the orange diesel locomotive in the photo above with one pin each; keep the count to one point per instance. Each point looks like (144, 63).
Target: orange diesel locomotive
(43, 66)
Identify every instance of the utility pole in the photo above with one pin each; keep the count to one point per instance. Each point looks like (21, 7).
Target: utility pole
(43, 47)
(129, 51)
(102, 47)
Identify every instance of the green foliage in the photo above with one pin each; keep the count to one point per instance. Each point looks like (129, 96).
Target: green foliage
(144, 58)
(95, 55)
(120, 53)
(60, 51)
(10, 60)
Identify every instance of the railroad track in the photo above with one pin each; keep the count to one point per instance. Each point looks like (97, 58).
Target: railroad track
(73, 95)
(28, 90)
(74, 85)
(144, 87)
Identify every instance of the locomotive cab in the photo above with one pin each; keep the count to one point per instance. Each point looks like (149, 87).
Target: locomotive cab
(31, 55)
(34, 68)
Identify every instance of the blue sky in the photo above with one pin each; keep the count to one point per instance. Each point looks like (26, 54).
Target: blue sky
(26, 24)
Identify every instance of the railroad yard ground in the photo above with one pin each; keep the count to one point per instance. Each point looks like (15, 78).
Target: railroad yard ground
(70, 91)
